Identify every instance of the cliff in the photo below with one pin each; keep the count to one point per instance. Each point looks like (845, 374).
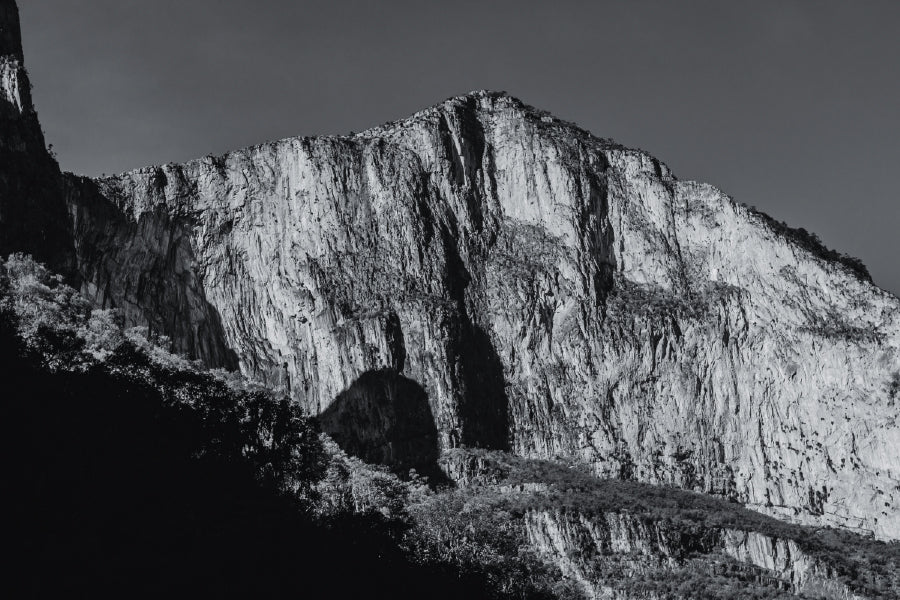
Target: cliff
(591, 550)
(483, 274)
(33, 217)
(552, 293)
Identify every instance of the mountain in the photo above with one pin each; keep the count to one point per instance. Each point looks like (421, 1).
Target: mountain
(484, 275)
(552, 293)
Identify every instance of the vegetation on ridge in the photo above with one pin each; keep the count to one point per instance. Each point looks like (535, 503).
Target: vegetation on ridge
(811, 242)
(864, 565)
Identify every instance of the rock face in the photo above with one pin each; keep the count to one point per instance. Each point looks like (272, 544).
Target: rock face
(627, 540)
(549, 292)
(33, 217)
(581, 545)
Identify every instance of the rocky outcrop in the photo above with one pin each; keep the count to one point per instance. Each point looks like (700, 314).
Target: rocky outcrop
(33, 217)
(806, 574)
(589, 549)
(550, 292)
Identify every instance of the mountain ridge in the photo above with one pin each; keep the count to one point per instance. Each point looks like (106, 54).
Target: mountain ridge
(376, 130)
(809, 241)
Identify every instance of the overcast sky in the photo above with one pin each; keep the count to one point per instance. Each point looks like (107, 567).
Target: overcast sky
(791, 106)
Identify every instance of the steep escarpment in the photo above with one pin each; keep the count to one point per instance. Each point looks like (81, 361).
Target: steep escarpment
(525, 286)
(32, 213)
(552, 293)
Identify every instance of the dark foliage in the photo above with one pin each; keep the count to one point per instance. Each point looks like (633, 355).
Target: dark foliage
(134, 479)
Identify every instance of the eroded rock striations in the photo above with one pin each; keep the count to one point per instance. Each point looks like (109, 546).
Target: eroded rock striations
(552, 292)
(548, 292)
(582, 546)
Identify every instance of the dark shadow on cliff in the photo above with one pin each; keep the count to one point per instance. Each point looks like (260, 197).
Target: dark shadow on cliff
(147, 268)
(485, 409)
(33, 217)
(484, 404)
(385, 418)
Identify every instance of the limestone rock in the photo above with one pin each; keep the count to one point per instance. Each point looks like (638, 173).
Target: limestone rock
(552, 292)
(581, 545)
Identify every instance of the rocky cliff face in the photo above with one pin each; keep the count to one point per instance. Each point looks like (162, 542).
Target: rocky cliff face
(588, 548)
(625, 540)
(542, 290)
(33, 217)
(553, 293)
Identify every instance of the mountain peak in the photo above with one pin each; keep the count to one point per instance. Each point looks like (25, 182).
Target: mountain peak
(551, 293)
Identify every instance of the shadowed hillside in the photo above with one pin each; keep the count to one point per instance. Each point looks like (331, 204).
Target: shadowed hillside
(130, 473)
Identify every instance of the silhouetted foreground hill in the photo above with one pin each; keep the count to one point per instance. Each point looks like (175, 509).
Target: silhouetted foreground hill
(134, 478)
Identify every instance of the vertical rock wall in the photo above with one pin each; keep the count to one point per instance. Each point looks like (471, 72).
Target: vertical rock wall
(33, 216)
(551, 292)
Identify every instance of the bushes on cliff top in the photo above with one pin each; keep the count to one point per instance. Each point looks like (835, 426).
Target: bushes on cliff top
(58, 329)
(474, 532)
(813, 244)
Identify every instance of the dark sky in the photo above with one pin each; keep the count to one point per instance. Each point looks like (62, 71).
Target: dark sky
(792, 106)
